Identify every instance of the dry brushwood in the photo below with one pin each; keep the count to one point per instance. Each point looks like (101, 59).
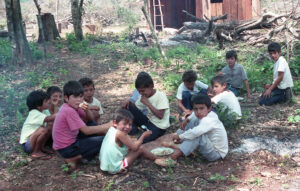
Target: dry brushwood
(284, 25)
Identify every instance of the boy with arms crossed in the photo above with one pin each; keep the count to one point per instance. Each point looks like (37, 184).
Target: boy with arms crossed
(203, 132)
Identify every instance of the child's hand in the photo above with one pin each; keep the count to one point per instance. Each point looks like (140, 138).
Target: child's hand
(147, 134)
(250, 96)
(187, 113)
(94, 107)
(84, 106)
(175, 138)
(145, 100)
(184, 123)
(267, 93)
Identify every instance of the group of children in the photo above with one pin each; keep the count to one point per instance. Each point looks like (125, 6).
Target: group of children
(78, 134)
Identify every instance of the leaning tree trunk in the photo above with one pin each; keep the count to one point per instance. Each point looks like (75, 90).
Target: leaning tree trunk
(49, 28)
(76, 9)
(19, 45)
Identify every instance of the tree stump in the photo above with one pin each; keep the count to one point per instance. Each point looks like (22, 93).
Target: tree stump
(49, 27)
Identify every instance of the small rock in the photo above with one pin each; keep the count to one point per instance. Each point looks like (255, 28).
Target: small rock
(29, 159)
(266, 174)
(164, 170)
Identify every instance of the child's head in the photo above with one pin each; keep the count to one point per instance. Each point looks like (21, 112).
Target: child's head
(231, 58)
(201, 104)
(73, 93)
(37, 99)
(189, 77)
(55, 95)
(144, 84)
(274, 50)
(88, 88)
(219, 84)
(123, 120)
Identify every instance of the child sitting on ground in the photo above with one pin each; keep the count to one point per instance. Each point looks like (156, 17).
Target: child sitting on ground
(225, 97)
(93, 104)
(69, 121)
(280, 90)
(204, 132)
(55, 96)
(119, 150)
(157, 105)
(187, 89)
(235, 74)
(34, 134)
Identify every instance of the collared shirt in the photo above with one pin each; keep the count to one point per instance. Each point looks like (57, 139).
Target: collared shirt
(235, 76)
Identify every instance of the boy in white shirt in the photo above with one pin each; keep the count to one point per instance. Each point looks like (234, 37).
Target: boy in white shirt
(280, 89)
(155, 102)
(225, 97)
(94, 105)
(189, 87)
(203, 132)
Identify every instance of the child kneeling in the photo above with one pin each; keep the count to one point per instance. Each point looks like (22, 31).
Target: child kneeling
(204, 132)
(114, 155)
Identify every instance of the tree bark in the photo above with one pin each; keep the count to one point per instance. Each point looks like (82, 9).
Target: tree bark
(76, 9)
(19, 45)
(49, 28)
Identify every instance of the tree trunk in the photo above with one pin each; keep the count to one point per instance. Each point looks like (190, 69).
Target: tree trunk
(19, 45)
(49, 28)
(76, 9)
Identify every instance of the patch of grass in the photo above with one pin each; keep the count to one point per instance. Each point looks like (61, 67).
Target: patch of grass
(217, 177)
(5, 51)
(108, 186)
(257, 181)
(172, 81)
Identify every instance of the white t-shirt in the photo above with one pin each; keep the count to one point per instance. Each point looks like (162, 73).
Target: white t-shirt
(96, 102)
(228, 99)
(34, 120)
(282, 66)
(183, 88)
(160, 101)
(213, 128)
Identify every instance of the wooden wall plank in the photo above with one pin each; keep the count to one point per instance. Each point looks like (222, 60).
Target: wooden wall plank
(219, 9)
(226, 9)
(234, 9)
(199, 9)
(248, 9)
(240, 10)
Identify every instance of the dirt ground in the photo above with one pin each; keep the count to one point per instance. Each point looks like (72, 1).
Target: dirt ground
(261, 170)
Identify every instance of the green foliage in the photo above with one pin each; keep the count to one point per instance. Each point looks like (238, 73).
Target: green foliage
(228, 118)
(75, 174)
(36, 53)
(257, 181)
(172, 81)
(295, 118)
(108, 186)
(5, 51)
(217, 177)
(77, 46)
(152, 53)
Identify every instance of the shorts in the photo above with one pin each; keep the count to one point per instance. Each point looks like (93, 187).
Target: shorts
(26, 146)
(124, 164)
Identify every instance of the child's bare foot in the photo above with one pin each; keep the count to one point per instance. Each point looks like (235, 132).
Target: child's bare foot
(47, 151)
(40, 155)
(72, 162)
(165, 162)
(170, 144)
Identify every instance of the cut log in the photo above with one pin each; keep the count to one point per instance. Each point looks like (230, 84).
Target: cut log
(49, 27)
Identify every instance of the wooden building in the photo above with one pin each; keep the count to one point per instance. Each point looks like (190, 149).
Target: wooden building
(169, 12)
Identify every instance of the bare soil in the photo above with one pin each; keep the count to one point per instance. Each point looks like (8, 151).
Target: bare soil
(261, 170)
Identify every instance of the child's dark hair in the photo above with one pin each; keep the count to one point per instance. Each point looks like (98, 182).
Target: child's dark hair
(72, 88)
(53, 89)
(189, 76)
(143, 80)
(218, 79)
(36, 99)
(231, 54)
(123, 114)
(274, 47)
(201, 98)
(86, 82)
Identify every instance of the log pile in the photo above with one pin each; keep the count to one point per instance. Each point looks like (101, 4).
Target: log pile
(284, 27)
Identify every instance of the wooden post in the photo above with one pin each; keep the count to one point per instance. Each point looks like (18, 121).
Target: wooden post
(153, 32)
